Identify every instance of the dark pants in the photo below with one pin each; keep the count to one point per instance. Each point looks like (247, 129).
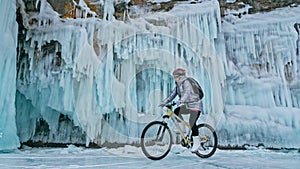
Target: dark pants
(192, 120)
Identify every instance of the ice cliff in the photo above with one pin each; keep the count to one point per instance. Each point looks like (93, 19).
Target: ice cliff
(88, 80)
(8, 44)
(109, 76)
(262, 79)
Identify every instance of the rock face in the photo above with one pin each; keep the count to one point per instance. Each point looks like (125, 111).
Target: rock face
(257, 5)
(63, 7)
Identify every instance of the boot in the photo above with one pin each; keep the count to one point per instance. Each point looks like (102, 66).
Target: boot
(196, 144)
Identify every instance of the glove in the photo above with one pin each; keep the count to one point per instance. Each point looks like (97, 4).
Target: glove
(178, 103)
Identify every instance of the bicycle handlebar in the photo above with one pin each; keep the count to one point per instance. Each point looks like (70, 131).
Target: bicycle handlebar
(170, 105)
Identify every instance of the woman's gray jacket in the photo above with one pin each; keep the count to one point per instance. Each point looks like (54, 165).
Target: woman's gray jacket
(186, 94)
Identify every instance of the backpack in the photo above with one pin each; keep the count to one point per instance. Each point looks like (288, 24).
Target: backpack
(196, 87)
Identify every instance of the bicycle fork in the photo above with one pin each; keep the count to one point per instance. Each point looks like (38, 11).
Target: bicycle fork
(160, 133)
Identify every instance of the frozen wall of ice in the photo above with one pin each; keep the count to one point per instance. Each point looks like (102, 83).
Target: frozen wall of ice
(262, 63)
(276, 127)
(88, 80)
(109, 77)
(262, 74)
(8, 45)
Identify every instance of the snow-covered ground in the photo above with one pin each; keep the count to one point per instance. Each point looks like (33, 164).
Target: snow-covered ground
(132, 158)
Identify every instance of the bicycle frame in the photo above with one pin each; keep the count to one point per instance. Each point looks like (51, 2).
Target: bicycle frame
(157, 139)
(175, 119)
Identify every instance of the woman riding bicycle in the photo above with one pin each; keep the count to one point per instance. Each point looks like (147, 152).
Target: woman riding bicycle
(189, 102)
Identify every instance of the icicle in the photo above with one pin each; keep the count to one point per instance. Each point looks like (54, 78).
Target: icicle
(37, 3)
(109, 10)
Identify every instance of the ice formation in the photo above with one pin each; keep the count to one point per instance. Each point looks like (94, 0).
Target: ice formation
(108, 77)
(263, 75)
(89, 80)
(8, 44)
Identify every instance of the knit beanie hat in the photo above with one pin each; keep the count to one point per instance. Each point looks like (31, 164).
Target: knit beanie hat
(179, 72)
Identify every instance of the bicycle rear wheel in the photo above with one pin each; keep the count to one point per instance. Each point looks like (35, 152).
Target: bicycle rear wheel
(156, 140)
(208, 141)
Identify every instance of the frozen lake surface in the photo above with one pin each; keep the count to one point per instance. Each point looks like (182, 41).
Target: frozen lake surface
(132, 158)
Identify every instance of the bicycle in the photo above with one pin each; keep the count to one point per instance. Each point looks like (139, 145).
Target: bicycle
(156, 138)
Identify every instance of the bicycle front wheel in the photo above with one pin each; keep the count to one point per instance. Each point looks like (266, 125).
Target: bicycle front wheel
(156, 140)
(208, 141)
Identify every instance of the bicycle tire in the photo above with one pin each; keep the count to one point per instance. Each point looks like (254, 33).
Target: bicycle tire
(210, 145)
(156, 140)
